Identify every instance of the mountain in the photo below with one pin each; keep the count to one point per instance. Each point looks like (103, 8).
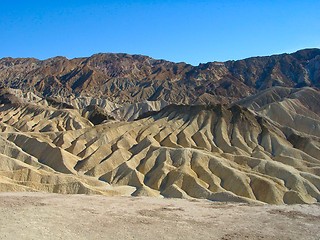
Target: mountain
(117, 124)
(215, 152)
(134, 78)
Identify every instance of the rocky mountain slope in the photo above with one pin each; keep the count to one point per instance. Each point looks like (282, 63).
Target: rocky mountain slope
(135, 78)
(89, 125)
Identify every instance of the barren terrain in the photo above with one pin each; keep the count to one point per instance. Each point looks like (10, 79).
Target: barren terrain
(203, 148)
(55, 216)
(265, 151)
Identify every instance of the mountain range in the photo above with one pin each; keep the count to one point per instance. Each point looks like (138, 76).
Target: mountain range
(134, 78)
(120, 124)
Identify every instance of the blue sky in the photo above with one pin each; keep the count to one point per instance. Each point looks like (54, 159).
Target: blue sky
(188, 31)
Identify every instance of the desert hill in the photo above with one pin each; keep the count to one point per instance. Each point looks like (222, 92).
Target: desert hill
(214, 152)
(119, 124)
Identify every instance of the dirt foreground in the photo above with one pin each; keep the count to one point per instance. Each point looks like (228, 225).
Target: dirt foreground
(54, 216)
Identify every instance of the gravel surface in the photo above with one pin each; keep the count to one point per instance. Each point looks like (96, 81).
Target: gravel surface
(54, 216)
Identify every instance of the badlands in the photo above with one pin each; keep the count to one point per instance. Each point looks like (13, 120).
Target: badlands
(260, 152)
(199, 147)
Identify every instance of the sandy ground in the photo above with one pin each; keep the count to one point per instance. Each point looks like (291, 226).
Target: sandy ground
(53, 216)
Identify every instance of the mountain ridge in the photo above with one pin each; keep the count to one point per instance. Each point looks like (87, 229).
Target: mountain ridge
(135, 78)
(297, 52)
(216, 152)
(242, 131)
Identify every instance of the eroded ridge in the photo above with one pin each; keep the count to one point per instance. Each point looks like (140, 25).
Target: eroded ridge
(214, 152)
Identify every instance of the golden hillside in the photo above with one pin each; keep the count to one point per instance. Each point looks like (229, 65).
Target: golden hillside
(215, 152)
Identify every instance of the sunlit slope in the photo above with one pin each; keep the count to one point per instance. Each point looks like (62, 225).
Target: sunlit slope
(212, 152)
(297, 109)
(29, 117)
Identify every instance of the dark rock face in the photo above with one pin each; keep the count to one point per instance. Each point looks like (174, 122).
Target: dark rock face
(7, 98)
(96, 115)
(132, 78)
(57, 104)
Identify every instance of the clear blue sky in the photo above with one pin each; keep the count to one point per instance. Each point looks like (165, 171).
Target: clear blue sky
(189, 31)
